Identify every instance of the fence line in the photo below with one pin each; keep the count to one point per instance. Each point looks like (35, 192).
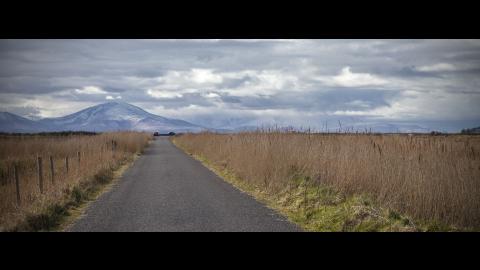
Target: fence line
(52, 171)
(55, 174)
(40, 174)
(66, 164)
(17, 184)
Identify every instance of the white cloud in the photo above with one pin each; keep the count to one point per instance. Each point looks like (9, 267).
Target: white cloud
(161, 94)
(90, 90)
(346, 78)
(212, 95)
(262, 83)
(175, 79)
(437, 67)
(112, 98)
(236, 83)
(202, 76)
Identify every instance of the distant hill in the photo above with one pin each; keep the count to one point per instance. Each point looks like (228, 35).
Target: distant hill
(110, 116)
(376, 128)
(394, 128)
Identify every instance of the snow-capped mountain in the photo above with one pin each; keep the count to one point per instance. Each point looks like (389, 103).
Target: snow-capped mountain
(10, 122)
(114, 116)
(111, 116)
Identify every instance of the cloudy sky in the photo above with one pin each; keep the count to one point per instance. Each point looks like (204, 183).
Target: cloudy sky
(230, 83)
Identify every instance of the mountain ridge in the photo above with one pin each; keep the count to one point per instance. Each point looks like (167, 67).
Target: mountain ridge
(117, 116)
(109, 116)
(16, 123)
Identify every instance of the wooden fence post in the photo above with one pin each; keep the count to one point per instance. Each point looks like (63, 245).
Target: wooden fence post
(113, 148)
(78, 159)
(66, 163)
(17, 183)
(40, 174)
(52, 173)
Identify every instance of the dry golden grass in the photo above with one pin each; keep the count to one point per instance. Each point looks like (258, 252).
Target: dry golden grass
(96, 156)
(431, 178)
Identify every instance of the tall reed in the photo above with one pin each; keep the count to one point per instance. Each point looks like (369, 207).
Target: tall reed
(427, 177)
(87, 156)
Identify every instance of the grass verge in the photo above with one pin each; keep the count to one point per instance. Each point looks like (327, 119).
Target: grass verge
(321, 208)
(59, 216)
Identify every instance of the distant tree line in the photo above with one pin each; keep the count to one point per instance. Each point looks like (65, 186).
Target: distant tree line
(59, 133)
(470, 130)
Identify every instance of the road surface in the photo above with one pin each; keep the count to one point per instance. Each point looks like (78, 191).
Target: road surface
(167, 190)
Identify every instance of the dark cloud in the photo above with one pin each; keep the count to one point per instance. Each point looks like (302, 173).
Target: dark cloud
(245, 82)
(229, 99)
(412, 72)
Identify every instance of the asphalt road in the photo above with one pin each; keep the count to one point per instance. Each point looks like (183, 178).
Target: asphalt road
(167, 190)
